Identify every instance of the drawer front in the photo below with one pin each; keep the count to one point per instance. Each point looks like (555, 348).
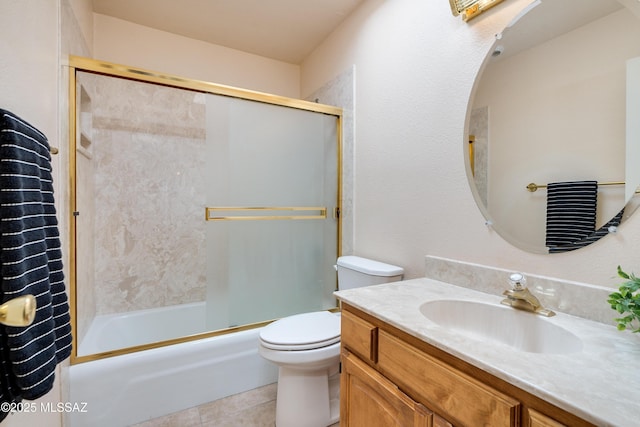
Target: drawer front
(359, 336)
(447, 391)
(536, 419)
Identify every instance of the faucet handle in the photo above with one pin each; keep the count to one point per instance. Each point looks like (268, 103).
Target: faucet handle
(517, 281)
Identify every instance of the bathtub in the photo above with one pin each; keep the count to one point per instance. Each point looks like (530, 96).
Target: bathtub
(131, 388)
(121, 330)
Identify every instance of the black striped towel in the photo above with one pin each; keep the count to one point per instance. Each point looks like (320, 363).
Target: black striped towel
(593, 237)
(31, 263)
(571, 211)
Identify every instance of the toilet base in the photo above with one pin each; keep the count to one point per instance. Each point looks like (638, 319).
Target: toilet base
(308, 399)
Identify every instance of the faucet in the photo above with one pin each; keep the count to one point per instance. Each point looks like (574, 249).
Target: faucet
(521, 298)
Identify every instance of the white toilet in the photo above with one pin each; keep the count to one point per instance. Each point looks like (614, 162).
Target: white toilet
(306, 347)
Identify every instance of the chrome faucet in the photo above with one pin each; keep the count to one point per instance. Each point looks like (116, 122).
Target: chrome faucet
(521, 298)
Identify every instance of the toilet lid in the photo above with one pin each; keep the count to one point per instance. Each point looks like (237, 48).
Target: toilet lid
(302, 331)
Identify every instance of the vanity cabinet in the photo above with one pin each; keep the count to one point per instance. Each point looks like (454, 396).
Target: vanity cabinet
(373, 400)
(390, 378)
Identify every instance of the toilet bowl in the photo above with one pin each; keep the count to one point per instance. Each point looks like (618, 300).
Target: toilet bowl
(306, 348)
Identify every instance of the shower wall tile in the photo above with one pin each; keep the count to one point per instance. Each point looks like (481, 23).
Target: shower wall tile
(85, 223)
(339, 92)
(149, 157)
(85, 255)
(479, 127)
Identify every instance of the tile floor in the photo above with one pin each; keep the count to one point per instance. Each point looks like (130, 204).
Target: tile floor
(254, 408)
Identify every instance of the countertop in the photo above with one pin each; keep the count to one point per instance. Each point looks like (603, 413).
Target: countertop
(600, 384)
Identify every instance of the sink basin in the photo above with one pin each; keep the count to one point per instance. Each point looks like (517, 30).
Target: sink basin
(518, 329)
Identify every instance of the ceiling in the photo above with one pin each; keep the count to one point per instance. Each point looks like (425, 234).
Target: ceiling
(285, 30)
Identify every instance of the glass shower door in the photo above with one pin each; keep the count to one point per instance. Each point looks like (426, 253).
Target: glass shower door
(272, 183)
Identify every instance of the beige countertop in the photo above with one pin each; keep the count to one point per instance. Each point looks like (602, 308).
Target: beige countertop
(600, 383)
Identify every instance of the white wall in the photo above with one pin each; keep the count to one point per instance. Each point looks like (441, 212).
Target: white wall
(29, 89)
(28, 64)
(131, 44)
(415, 70)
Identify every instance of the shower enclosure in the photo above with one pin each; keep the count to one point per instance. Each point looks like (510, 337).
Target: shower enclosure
(198, 209)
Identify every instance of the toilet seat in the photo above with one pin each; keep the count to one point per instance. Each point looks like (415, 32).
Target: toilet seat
(305, 331)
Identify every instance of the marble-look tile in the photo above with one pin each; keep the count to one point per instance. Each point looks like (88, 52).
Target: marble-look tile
(254, 408)
(479, 128)
(85, 254)
(339, 92)
(148, 231)
(262, 415)
(578, 299)
(146, 108)
(231, 406)
(187, 418)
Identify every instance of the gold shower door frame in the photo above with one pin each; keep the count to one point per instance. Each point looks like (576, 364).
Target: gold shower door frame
(79, 64)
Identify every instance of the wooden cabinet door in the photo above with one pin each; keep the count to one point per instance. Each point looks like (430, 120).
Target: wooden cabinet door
(370, 400)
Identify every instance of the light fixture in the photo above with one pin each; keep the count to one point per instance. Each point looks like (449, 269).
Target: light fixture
(471, 8)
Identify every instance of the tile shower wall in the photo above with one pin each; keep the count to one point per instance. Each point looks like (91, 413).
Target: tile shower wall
(479, 128)
(339, 91)
(85, 191)
(147, 151)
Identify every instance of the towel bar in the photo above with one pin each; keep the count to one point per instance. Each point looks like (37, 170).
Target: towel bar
(321, 213)
(532, 187)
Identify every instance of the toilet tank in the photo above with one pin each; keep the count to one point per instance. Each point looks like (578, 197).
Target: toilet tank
(356, 272)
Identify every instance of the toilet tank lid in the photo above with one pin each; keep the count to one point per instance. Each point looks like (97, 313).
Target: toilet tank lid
(369, 266)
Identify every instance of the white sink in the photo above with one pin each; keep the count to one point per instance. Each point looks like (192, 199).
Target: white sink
(518, 329)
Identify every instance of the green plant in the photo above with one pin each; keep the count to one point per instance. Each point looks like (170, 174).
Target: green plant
(626, 302)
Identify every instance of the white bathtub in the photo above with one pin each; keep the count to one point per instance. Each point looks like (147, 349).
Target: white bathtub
(128, 389)
(120, 330)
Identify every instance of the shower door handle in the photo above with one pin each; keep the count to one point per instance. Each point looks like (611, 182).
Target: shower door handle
(19, 311)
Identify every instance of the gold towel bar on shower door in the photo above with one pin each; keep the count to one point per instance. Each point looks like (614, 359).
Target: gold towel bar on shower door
(264, 213)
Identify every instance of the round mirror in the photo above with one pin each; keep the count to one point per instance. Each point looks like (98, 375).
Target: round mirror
(552, 109)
